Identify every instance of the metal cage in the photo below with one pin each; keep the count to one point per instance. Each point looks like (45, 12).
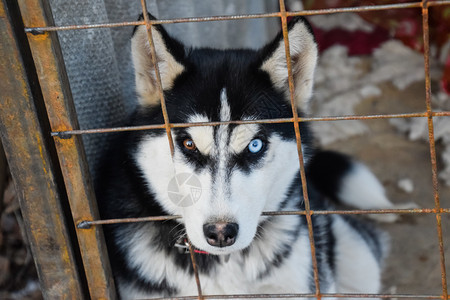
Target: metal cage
(42, 141)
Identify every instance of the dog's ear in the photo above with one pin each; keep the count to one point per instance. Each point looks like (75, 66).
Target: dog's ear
(169, 57)
(303, 50)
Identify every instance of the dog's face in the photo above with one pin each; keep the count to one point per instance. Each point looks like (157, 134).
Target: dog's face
(221, 178)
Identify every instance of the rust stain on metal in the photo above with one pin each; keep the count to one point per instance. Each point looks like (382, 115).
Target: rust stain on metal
(85, 224)
(194, 266)
(91, 241)
(284, 27)
(325, 296)
(41, 29)
(56, 92)
(148, 25)
(30, 166)
(426, 42)
(68, 133)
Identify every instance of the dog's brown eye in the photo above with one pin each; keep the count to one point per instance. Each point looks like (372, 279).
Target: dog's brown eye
(189, 144)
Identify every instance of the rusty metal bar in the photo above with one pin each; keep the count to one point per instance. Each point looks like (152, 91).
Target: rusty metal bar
(61, 112)
(326, 296)
(42, 29)
(67, 134)
(33, 170)
(87, 224)
(362, 8)
(148, 25)
(284, 27)
(440, 114)
(426, 42)
(194, 266)
(361, 211)
(287, 296)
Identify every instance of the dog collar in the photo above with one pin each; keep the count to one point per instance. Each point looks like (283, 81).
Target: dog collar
(183, 246)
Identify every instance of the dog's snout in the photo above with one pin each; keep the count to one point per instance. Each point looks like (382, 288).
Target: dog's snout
(220, 234)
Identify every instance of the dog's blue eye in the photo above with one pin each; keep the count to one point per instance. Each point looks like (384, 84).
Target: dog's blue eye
(255, 146)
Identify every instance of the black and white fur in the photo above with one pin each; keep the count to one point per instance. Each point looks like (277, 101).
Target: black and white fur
(269, 254)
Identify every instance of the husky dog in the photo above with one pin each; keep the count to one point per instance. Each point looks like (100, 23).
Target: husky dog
(220, 179)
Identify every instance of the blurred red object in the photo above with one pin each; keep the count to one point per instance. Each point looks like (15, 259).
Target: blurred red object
(404, 24)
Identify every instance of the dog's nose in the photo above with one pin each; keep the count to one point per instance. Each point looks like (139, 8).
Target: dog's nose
(221, 234)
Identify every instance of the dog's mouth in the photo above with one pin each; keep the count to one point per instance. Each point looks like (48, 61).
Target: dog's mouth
(184, 246)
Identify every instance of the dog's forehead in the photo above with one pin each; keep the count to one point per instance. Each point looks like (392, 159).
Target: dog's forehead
(226, 86)
(234, 138)
(250, 93)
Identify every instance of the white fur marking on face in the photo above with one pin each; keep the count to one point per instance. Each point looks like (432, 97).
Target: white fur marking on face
(225, 111)
(241, 137)
(221, 151)
(203, 136)
(153, 154)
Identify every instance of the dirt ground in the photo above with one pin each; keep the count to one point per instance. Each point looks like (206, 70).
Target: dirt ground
(413, 266)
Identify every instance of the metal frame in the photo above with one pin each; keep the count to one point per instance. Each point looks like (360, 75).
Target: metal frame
(61, 113)
(64, 128)
(33, 169)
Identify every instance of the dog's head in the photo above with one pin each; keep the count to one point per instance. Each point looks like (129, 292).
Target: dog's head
(221, 178)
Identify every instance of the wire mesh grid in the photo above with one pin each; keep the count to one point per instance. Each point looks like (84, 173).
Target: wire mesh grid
(283, 15)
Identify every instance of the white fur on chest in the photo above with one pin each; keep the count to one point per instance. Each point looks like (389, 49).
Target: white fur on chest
(237, 276)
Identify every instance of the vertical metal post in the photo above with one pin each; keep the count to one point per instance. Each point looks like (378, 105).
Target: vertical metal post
(33, 172)
(298, 138)
(56, 92)
(431, 139)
